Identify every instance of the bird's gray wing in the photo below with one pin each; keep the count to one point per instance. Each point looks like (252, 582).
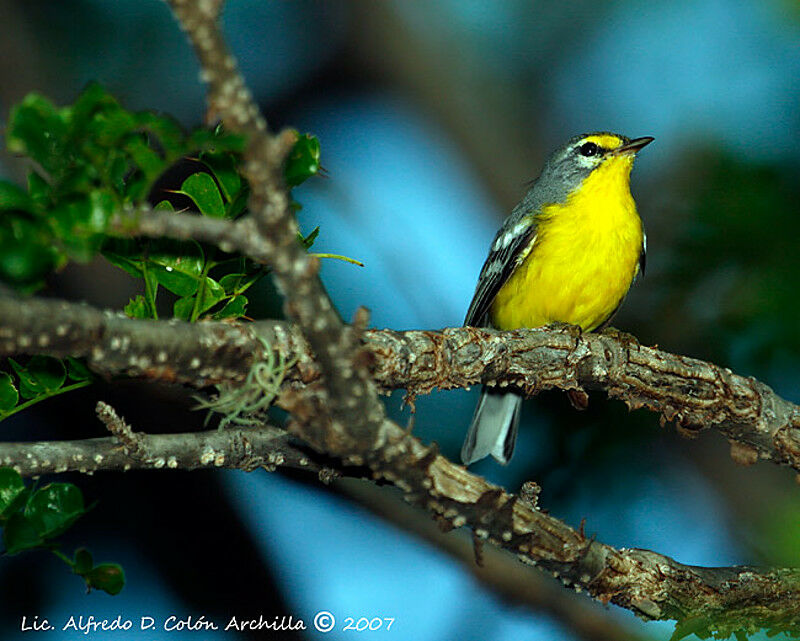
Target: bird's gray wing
(509, 246)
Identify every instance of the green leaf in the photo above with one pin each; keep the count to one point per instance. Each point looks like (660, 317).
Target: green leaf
(212, 294)
(54, 508)
(137, 307)
(48, 371)
(697, 625)
(164, 205)
(303, 160)
(93, 104)
(239, 204)
(38, 130)
(77, 370)
(82, 561)
(169, 133)
(231, 282)
(9, 397)
(234, 308)
(124, 253)
(176, 266)
(223, 166)
(109, 577)
(26, 252)
(217, 140)
(29, 387)
(20, 534)
(183, 307)
(203, 191)
(308, 241)
(12, 489)
(39, 190)
(145, 158)
(81, 222)
(14, 197)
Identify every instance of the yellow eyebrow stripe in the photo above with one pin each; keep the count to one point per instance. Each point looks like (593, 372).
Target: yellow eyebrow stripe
(606, 142)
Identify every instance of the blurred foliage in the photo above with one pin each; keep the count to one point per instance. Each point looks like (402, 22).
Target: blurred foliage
(736, 265)
(32, 517)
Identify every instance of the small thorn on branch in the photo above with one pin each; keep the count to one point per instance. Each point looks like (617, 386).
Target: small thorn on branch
(132, 443)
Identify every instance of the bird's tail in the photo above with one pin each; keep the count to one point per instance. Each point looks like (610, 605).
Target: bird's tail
(494, 427)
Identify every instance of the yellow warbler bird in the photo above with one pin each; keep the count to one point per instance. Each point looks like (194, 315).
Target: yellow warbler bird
(569, 253)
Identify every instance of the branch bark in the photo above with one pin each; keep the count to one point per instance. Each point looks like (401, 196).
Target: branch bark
(652, 585)
(244, 449)
(696, 394)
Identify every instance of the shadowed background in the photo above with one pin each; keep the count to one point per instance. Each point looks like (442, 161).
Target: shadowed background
(432, 117)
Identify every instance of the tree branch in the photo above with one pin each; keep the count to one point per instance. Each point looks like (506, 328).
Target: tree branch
(651, 585)
(352, 402)
(514, 581)
(696, 394)
(244, 449)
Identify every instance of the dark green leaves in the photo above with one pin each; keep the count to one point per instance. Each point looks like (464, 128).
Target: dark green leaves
(54, 508)
(303, 160)
(12, 490)
(205, 194)
(26, 255)
(41, 378)
(31, 519)
(8, 393)
(92, 158)
(13, 197)
(95, 158)
(42, 375)
(38, 130)
(109, 577)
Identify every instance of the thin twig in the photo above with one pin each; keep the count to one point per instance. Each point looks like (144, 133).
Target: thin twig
(132, 443)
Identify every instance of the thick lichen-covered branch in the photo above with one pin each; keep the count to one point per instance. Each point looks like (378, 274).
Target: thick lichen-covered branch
(696, 394)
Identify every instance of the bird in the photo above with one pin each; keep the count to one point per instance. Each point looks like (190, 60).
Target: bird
(568, 252)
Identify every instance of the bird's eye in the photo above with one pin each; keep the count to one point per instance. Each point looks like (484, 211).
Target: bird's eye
(588, 149)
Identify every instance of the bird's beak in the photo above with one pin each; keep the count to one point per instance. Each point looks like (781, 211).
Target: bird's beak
(633, 147)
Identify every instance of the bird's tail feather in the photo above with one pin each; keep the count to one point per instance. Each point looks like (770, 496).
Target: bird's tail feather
(494, 427)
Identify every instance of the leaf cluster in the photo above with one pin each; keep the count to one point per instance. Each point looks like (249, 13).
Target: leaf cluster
(32, 517)
(93, 159)
(42, 377)
(89, 160)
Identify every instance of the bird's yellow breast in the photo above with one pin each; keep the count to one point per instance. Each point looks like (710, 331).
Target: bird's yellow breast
(583, 259)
